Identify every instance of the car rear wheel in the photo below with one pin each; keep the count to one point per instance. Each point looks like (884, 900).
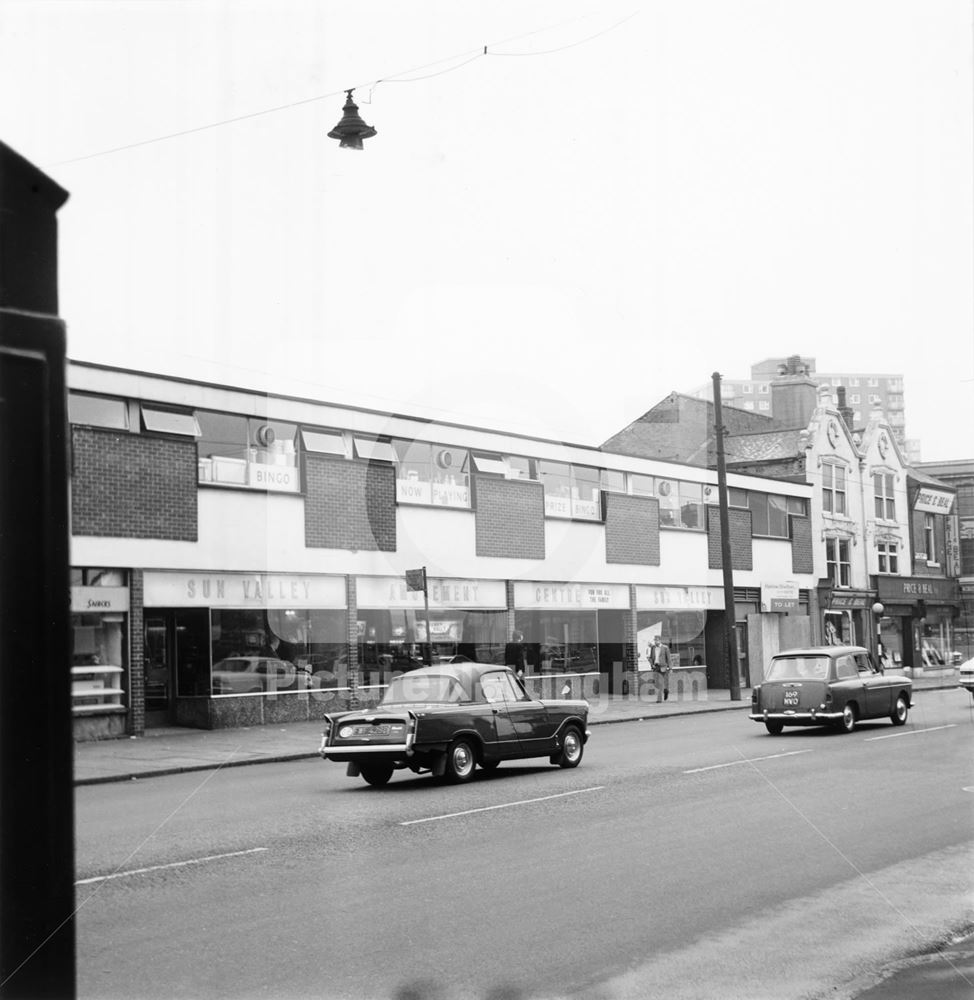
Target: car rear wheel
(572, 747)
(377, 775)
(900, 711)
(460, 761)
(775, 728)
(848, 721)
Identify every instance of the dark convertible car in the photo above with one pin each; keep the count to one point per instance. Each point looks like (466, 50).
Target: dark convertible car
(828, 686)
(450, 718)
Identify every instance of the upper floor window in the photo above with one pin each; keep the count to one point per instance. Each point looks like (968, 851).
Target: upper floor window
(888, 553)
(874, 398)
(873, 382)
(764, 387)
(431, 474)
(838, 563)
(680, 504)
(749, 404)
(98, 411)
(883, 491)
(639, 485)
(930, 538)
(234, 450)
(833, 488)
(571, 490)
(613, 481)
(853, 381)
(748, 389)
(163, 420)
(854, 398)
(764, 405)
(769, 514)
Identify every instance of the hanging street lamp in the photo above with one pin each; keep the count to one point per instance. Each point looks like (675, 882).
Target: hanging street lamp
(351, 130)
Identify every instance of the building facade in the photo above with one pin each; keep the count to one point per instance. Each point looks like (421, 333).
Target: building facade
(240, 558)
(874, 520)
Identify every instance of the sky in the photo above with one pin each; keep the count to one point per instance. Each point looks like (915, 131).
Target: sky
(613, 202)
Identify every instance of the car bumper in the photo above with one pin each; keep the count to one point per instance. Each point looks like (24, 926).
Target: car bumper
(810, 718)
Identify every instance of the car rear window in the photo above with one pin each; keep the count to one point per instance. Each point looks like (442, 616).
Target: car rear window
(798, 668)
(413, 688)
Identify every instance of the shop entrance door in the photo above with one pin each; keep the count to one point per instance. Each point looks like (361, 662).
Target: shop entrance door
(158, 667)
(743, 664)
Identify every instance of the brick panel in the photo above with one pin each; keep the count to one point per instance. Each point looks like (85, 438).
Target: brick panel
(133, 486)
(631, 529)
(349, 505)
(802, 552)
(509, 518)
(742, 551)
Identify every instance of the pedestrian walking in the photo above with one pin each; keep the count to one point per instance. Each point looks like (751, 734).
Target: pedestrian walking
(514, 655)
(659, 661)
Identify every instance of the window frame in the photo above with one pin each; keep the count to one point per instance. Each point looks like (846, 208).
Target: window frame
(887, 557)
(834, 489)
(884, 495)
(173, 421)
(76, 399)
(835, 548)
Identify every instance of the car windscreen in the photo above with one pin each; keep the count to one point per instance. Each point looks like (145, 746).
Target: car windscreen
(424, 688)
(798, 668)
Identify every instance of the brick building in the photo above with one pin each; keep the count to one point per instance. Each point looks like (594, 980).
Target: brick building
(238, 558)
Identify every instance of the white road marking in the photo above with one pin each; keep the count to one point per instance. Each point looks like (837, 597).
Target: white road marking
(749, 760)
(909, 732)
(503, 805)
(173, 864)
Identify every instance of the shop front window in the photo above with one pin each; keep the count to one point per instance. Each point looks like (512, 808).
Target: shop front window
(559, 641)
(432, 474)
(247, 452)
(276, 649)
(682, 631)
(391, 641)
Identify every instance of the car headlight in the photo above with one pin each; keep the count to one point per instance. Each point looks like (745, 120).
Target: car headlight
(346, 731)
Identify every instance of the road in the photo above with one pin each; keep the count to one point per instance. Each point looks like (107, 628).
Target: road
(685, 858)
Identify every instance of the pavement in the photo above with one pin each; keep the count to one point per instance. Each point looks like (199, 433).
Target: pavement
(176, 750)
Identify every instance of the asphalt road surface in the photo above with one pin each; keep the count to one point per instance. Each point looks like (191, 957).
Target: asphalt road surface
(692, 857)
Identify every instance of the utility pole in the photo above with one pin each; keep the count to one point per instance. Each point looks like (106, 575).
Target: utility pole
(730, 637)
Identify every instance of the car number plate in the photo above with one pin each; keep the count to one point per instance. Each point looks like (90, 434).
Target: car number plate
(791, 697)
(376, 730)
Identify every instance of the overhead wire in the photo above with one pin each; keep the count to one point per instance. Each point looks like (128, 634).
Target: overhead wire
(489, 49)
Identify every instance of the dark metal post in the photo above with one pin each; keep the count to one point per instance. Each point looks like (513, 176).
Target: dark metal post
(730, 637)
(37, 899)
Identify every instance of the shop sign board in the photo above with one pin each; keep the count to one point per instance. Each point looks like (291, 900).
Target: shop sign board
(188, 589)
(694, 598)
(853, 601)
(392, 592)
(953, 546)
(910, 589)
(278, 478)
(779, 596)
(91, 600)
(933, 501)
(539, 594)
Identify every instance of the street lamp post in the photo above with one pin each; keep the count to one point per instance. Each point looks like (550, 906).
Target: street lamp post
(878, 610)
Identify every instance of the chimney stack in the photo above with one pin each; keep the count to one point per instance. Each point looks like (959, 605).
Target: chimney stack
(844, 411)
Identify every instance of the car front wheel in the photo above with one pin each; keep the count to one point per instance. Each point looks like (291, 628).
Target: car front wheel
(900, 711)
(377, 775)
(848, 721)
(572, 747)
(460, 761)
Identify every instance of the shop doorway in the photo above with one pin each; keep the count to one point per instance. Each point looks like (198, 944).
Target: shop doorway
(175, 659)
(158, 669)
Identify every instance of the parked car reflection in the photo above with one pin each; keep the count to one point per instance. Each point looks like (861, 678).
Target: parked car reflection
(246, 674)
